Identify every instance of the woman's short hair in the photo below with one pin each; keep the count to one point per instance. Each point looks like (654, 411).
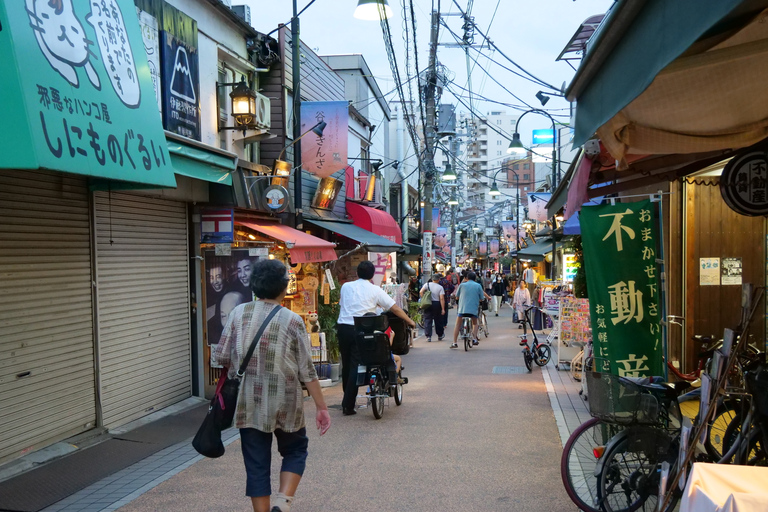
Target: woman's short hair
(269, 279)
(366, 270)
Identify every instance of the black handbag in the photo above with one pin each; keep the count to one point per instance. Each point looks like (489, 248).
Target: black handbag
(221, 411)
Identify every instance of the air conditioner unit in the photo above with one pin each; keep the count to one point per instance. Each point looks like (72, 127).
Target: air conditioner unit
(263, 119)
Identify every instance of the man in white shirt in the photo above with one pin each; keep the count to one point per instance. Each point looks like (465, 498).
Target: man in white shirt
(529, 276)
(356, 299)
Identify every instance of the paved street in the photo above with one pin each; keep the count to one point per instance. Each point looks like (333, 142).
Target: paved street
(464, 439)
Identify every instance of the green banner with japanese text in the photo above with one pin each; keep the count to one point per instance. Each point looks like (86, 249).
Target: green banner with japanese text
(620, 250)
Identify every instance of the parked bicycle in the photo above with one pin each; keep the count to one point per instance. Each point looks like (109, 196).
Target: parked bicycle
(538, 353)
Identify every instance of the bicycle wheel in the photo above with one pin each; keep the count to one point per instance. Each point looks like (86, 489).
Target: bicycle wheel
(579, 460)
(542, 355)
(630, 475)
(755, 456)
(377, 401)
(716, 434)
(528, 359)
(398, 391)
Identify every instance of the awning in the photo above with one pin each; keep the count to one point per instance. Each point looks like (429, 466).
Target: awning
(412, 252)
(375, 221)
(195, 160)
(304, 248)
(372, 241)
(653, 65)
(536, 251)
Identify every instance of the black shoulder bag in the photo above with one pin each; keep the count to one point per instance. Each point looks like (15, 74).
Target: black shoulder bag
(221, 411)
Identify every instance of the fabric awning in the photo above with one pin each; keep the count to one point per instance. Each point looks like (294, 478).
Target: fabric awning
(644, 92)
(372, 241)
(303, 247)
(375, 221)
(536, 251)
(194, 160)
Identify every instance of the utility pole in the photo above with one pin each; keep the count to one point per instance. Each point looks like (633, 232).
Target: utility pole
(296, 83)
(428, 165)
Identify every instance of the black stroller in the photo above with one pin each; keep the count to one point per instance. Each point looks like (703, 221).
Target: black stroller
(377, 368)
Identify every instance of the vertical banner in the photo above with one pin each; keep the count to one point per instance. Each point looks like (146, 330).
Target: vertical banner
(620, 247)
(494, 248)
(537, 206)
(441, 238)
(150, 35)
(426, 256)
(482, 248)
(509, 229)
(435, 217)
(181, 77)
(323, 156)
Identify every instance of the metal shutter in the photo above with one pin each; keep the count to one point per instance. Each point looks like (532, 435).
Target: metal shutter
(47, 390)
(142, 265)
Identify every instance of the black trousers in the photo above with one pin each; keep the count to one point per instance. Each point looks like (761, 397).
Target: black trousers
(433, 314)
(349, 361)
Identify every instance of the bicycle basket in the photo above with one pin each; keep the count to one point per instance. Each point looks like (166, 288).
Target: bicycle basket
(615, 400)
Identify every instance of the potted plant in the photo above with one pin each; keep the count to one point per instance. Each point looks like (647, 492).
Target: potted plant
(328, 314)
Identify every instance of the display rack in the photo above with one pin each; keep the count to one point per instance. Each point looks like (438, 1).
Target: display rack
(575, 329)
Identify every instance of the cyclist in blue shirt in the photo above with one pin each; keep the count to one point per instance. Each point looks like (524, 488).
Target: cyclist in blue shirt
(468, 296)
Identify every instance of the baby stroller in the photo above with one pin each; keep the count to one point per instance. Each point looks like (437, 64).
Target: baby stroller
(377, 368)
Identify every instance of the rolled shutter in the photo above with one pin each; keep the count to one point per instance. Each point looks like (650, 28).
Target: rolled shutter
(47, 390)
(142, 265)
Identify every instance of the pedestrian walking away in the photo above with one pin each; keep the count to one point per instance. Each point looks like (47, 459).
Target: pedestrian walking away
(520, 301)
(468, 297)
(448, 288)
(436, 312)
(271, 400)
(529, 276)
(357, 298)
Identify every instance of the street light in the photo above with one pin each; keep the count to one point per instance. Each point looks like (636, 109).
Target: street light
(453, 201)
(516, 144)
(373, 10)
(449, 174)
(494, 190)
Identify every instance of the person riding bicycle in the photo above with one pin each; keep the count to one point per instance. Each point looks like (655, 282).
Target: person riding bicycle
(468, 295)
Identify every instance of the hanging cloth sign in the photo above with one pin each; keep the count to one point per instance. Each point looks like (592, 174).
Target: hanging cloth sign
(620, 247)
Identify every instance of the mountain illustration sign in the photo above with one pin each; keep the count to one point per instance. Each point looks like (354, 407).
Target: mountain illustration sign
(77, 92)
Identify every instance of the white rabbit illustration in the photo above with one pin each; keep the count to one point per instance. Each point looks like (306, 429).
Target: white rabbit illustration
(62, 38)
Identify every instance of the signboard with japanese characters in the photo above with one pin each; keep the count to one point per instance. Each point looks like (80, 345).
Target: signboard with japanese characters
(181, 79)
(77, 92)
(620, 250)
(323, 156)
(744, 183)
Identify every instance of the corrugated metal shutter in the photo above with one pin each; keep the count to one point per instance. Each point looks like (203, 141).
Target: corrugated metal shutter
(47, 390)
(142, 265)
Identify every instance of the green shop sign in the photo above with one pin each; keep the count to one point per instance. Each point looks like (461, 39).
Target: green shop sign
(620, 248)
(77, 92)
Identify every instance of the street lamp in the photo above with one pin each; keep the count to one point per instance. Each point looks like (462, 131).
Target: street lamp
(449, 174)
(373, 10)
(515, 146)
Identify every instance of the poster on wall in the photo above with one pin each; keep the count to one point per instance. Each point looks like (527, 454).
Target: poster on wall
(150, 35)
(731, 271)
(226, 286)
(571, 267)
(181, 79)
(709, 271)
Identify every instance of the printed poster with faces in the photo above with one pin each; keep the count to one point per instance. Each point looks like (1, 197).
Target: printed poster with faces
(78, 92)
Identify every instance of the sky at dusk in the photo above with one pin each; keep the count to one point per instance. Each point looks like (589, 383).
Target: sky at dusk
(532, 33)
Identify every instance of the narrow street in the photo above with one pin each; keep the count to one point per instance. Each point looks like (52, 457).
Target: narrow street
(464, 439)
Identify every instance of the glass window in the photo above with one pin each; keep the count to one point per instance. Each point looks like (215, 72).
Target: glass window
(516, 167)
(526, 176)
(526, 166)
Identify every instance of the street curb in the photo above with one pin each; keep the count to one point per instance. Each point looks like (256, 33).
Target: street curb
(562, 428)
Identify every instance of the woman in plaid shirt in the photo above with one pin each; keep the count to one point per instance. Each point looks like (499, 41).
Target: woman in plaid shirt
(270, 401)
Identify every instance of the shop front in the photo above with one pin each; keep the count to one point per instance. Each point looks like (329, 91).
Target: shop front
(384, 225)
(228, 268)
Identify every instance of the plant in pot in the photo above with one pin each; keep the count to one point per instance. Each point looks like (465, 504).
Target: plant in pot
(328, 314)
